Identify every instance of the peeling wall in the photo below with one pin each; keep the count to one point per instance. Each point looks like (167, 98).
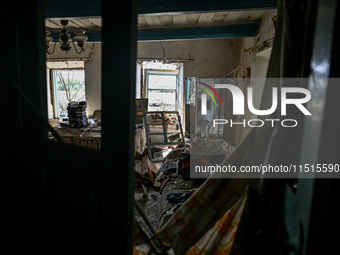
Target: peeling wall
(93, 80)
(256, 62)
(211, 58)
(202, 58)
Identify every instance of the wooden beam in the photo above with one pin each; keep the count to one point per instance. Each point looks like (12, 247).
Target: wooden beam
(93, 8)
(176, 6)
(73, 8)
(230, 31)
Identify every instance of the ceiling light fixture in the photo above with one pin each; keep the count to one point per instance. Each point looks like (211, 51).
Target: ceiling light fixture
(65, 40)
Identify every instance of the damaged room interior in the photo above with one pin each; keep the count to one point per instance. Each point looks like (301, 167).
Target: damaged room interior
(159, 127)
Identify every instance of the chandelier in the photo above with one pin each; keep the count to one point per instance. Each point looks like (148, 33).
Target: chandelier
(65, 40)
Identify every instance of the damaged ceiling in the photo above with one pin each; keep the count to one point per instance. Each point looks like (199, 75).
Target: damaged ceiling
(167, 20)
(217, 19)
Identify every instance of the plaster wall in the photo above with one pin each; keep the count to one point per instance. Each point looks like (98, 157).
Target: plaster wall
(250, 65)
(201, 58)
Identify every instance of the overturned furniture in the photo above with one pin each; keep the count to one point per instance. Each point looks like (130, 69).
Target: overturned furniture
(163, 129)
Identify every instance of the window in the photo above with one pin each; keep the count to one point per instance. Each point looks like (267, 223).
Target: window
(162, 90)
(162, 83)
(68, 85)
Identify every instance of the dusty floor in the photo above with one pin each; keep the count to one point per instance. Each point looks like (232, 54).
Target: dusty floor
(150, 203)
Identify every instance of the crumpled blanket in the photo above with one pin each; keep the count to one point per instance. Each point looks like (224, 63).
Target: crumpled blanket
(169, 167)
(206, 147)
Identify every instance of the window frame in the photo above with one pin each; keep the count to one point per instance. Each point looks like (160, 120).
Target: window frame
(162, 72)
(53, 87)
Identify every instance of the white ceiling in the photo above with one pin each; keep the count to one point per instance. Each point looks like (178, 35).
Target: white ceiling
(90, 25)
(199, 19)
(152, 21)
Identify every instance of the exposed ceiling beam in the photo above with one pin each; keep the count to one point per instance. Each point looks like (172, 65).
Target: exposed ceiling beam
(230, 31)
(92, 8)
(73, 8)
(187, 6)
